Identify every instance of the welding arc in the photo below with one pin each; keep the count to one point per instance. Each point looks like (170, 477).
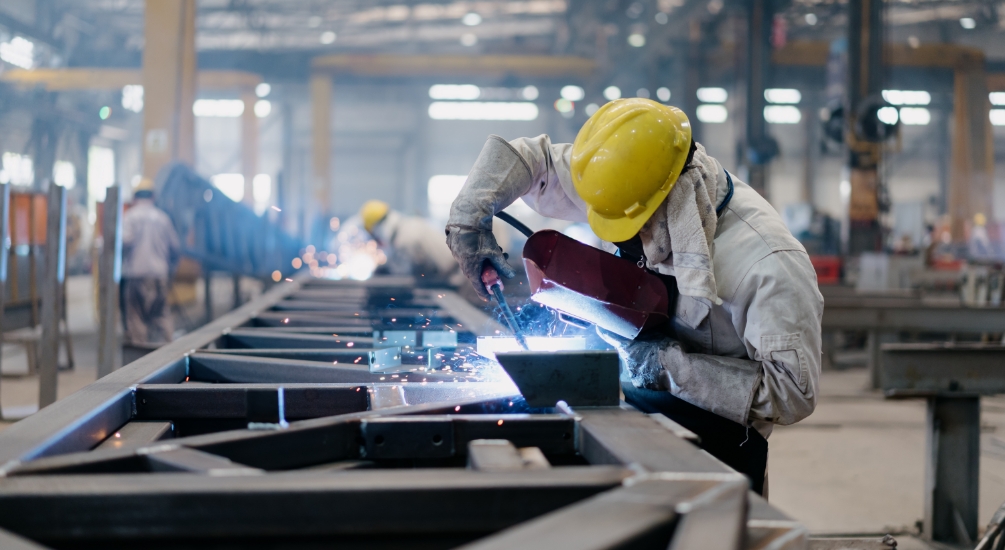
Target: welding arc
(492, 282)
(517, 224)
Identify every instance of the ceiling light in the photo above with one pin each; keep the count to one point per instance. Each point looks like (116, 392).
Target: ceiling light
(811, 19)
(471, 19)
(231, 185)
(915, 116)
(222, 108)
(636, 40)
(997, 98)
(591, 108)
(19, 52)
(663, 94)
(642, 92)
(662, 18)
(468, 39)
(529, 93)
(263, 89)
(968, 23)
(573, 93)
(789, 96)
(997, 117)
(612, 92)
(328, 37)
(132, 97)
(474, 110)
(454, 91)
(712, 95)
(711, 114)
(888, 115)
(564, 106)
(782, 114)
(262, 108)
(907, 97)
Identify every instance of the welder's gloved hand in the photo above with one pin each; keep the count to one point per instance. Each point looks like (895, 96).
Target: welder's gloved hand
(499, 177)
(641, 358)
(472, 249)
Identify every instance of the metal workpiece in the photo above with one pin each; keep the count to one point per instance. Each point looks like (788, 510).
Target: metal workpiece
(255, 432)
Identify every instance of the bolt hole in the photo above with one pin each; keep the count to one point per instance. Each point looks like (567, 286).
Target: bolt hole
(379, 440)
(437, 439)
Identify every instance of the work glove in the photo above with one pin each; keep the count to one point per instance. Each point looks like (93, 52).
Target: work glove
(499, 177)
(641, 358)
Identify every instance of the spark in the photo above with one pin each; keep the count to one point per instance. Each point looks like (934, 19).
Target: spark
(350, 344)
(500, 423)
(457, 408)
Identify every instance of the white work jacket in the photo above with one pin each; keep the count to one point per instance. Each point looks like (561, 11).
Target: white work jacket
(769, 319)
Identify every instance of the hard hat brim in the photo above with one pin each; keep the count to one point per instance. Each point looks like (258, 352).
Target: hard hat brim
(623, 228)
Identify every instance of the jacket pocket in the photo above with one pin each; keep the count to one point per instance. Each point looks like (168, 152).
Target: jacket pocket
(786, 350)
(693, 325)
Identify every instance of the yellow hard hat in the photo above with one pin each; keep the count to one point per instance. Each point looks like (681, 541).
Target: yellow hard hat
(625, 160)
(145, 184)
(373, 212)
(980, 219)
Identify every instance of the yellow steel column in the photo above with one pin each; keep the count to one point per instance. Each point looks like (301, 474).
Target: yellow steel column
(249, 145)
(169, 80)
(321, 97)
(971, 179)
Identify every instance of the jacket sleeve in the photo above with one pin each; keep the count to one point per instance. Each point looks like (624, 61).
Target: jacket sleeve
(551, 192)
(777, 310)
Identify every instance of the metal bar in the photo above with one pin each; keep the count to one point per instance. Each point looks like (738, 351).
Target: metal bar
(861, 315)
(218, 367)
(182, 459)
(52, 295)
(175, 401)
(943, 369)
(245, 338)
(952, 469)
(342, 355)
(389, 503)
(109, 276)
(136, 434)
(501, 455)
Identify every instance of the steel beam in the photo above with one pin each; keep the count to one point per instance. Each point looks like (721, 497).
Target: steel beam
(177, 401)
(52, 295)
(953, 446)
(109, 276)
(942, 369)
(136, 434)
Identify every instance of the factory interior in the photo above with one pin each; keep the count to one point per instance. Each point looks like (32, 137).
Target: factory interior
(496, 274)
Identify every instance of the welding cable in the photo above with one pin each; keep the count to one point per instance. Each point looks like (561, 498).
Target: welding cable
(517, 224)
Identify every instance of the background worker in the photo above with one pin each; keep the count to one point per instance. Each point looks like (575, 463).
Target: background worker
(150, 252)
(744, 347)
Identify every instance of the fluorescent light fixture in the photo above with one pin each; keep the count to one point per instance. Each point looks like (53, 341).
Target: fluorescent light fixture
(712, 95)
(263, 89)
(888, 115)
(663, 94)
(231, 185)
(132, 97)
(997, 98)
(441, 191)
(968, 22)
(529, 93)
(221, 108)
(591, 108)
(564, 106)
(636, 40)
(642, 92)
(611, 93)
(782, 114)
(471, 19)
(662, 18)
(712, 114)
(262, 108)
(907, 97)
(997, 117)
(472, 110)
(328, 37)
(17, 169)
(64, 174)
(573, 93)
(915, 116)
(488, 346)
(784, 96)
(19, 52)
(811, 19)
(456, 91)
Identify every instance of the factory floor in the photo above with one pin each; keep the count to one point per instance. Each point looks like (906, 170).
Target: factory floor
(19, 392)
(854, 467)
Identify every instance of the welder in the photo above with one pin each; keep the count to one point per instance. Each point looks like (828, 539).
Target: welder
(413, 242)
(743, 349)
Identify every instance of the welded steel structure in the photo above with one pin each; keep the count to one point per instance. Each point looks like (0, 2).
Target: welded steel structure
(283, 425)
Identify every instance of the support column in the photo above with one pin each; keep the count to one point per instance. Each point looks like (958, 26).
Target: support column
(971, 180)
(4, 254)
(692, 78)
(52, 295)
(952, 469)
(760, 147)
(109, 276)
(249, 146)
(865, 65)
(321, 97)
(169, 81)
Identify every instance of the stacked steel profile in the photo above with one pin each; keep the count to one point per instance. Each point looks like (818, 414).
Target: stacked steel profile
(315, 417)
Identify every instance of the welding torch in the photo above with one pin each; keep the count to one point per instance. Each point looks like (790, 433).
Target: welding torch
(493, 284)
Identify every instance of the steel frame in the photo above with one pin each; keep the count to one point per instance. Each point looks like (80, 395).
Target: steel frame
(204, 444)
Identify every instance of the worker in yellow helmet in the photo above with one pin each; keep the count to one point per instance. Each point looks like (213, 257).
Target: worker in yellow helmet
(746, 345)
(412, 242)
